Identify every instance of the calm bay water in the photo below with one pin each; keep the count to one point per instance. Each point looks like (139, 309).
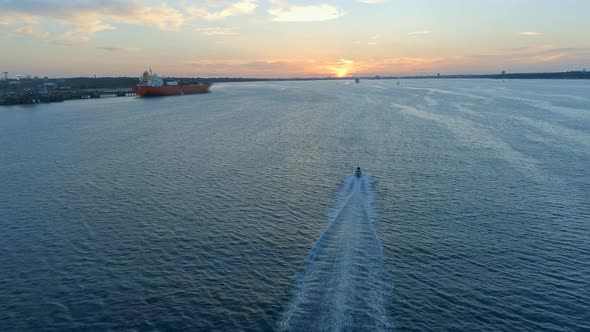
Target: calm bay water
(236, 210)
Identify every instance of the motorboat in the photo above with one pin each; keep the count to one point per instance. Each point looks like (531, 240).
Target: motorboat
(357, 172)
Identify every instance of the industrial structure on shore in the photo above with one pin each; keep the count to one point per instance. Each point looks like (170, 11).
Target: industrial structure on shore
(28, 90)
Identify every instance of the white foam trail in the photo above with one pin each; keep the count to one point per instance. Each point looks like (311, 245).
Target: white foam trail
(343, 284)
(341, 198)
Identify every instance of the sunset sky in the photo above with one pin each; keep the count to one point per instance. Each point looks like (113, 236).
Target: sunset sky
(292, 38)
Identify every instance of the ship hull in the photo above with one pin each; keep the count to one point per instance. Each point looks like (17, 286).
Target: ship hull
(171, 90)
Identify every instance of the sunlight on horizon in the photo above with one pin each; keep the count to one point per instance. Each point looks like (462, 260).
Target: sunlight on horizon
(342, 69)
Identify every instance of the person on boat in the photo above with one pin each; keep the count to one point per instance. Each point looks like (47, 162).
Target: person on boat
(358, 172)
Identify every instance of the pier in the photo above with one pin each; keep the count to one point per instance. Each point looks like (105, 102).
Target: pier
(29, 97)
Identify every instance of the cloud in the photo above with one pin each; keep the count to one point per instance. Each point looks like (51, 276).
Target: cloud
(81, 20)
(545, 54)
(80, 12)
(117, 48)
(25, 30)
(540, 58)
(518, 49)
(530, 33)
(421, 32)
(312, 13)
(259, 68)
(83, 32)
(243, 7)
(532, 58)
(547, 58)
(372, 2)
(20, 24)
(217, 31)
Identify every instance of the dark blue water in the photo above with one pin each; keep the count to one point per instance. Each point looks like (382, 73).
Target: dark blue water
(236, 210)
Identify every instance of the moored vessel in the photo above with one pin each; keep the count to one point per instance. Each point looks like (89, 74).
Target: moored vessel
(151, 84)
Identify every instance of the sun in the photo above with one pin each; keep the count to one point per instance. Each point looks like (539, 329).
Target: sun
(341, 72)
(342, 68)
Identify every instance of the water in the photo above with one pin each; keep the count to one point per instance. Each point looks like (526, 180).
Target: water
(236, 210)
(343, 284)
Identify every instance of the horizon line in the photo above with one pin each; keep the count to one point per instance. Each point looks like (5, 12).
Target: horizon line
(365, 76)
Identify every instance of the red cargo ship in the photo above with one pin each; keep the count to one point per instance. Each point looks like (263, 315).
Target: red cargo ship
(153, 85)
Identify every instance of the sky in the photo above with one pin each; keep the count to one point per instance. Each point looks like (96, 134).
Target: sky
(291, 38)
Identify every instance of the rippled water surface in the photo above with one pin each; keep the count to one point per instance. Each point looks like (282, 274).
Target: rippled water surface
(236, 210)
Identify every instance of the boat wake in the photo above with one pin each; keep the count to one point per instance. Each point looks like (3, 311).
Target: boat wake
(343, 284)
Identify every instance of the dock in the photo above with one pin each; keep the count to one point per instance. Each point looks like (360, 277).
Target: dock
(28, 97)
